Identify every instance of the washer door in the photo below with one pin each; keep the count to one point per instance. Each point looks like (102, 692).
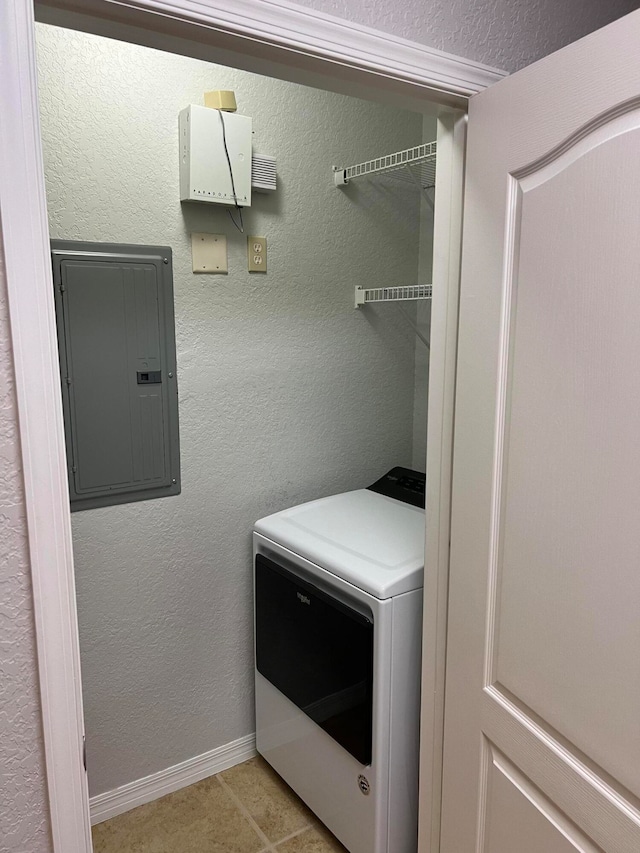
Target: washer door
(318, 652)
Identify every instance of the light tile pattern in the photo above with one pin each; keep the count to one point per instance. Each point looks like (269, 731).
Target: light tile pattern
(246, 809)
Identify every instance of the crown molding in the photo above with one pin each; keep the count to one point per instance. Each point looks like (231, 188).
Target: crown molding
(283, 32)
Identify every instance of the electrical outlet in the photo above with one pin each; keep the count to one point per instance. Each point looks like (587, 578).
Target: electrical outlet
(209, 253)
(257, 254)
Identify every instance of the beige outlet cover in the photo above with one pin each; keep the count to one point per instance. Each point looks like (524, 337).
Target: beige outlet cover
(209, 253)
(257, 254)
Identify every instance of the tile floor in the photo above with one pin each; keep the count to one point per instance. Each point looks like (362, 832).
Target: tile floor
(247, 809)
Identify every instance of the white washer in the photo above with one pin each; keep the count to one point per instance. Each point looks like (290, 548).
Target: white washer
(338, 586)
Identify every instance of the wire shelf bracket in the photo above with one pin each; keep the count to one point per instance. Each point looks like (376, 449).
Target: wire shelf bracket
(414, 165)
(410, 293)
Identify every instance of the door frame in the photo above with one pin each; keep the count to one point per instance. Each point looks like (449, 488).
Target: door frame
(447, 251)
(271, 37)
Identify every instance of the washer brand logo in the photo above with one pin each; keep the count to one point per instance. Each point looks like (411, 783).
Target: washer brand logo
(303, 598)
(363, 784)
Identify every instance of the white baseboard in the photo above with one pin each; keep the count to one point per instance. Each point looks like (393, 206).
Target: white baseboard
(120, 800)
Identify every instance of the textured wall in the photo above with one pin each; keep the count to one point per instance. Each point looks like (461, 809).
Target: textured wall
(286, 392)
(507, 34)
(24, 819)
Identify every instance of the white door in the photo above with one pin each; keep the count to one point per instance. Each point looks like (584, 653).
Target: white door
(542, 703)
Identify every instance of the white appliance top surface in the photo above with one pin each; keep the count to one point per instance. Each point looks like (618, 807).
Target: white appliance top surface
(370, 540)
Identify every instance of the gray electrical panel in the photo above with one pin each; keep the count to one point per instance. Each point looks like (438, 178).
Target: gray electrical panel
(116, 341)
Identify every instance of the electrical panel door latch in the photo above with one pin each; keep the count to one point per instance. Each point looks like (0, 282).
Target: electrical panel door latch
(149, 377)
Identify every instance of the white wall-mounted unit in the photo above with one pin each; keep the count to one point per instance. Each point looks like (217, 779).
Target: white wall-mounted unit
(215, 156)
(263, 173)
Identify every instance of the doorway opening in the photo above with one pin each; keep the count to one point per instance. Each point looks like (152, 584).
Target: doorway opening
(292, 43)
(287, 393)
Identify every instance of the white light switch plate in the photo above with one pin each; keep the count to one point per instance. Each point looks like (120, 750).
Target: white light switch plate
(209, 253)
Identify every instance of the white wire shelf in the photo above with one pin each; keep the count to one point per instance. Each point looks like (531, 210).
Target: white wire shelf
(412, 292)
(415, 165)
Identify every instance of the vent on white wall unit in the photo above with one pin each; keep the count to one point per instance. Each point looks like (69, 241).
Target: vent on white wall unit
(263, 173)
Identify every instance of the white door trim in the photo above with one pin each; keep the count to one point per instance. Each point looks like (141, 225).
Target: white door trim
(299, 39)
(291, 37)
(447, 241)
(25, 236)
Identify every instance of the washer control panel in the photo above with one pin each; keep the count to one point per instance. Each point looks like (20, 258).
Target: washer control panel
(403, 484)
